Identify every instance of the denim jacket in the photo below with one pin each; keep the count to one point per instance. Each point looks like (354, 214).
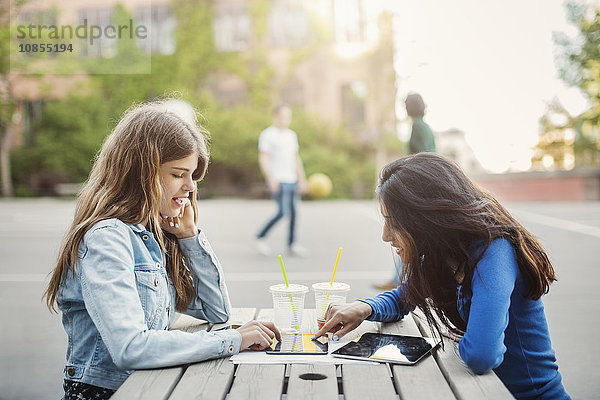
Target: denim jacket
(119, 304)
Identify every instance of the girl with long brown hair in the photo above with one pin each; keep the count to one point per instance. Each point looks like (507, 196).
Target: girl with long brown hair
(133, 255)
(472, 269)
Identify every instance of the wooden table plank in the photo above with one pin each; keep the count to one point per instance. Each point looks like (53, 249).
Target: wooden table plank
(188, 323)
(258, 382)
(368, 381)
(151, 384)
(406, 326)
(300, 388)
(209, 380)
(423, 380)
(465, 384)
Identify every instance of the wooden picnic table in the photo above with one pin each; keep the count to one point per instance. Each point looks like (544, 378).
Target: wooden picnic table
(443, 376)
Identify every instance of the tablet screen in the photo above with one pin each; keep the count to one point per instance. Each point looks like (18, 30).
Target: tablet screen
(382, 347)
(299, 344)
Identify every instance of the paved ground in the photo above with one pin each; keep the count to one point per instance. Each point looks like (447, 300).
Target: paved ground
(32, 341)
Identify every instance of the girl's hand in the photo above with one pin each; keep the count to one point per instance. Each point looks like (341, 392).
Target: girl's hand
(182, 225)
(342, 318)
(258, 335)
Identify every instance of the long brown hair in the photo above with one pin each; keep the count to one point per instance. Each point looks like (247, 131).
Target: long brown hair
(442, 217)
(124, 183)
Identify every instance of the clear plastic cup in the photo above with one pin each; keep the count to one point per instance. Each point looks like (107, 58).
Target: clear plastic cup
(326, 294)
(291, 341)
(288, 305)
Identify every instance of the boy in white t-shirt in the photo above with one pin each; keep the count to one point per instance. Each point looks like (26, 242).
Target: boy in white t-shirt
(282, 167)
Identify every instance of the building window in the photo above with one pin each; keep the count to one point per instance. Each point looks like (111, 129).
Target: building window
(160, 23)
(38, 18)
(104, 47)
(288, 24)
(348, 21)
(232, 26)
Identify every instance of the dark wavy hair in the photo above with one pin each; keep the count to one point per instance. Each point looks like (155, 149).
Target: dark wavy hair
(442, 217)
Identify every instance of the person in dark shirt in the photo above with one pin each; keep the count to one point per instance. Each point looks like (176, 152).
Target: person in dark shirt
(421, 140)
(421, 136)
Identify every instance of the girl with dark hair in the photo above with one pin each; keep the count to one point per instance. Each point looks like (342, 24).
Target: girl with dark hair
(471, 268)
(133, 255)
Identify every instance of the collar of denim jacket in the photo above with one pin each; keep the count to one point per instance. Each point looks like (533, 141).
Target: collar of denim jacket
(138, 228)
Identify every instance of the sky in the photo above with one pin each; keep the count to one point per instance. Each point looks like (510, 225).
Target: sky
(486, 68)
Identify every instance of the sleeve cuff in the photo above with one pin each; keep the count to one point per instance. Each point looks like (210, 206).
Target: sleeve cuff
(372, 304)
(232, 341)
(192, 244)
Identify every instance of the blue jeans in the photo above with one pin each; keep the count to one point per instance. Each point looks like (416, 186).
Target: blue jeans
(287, 200)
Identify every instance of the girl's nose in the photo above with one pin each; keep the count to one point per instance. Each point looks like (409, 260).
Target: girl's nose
(189, 185)
(385, 236)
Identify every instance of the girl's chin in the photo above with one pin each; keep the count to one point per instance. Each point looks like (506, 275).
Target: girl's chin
(170, 213)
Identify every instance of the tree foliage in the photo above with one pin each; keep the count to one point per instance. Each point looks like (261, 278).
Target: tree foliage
(72, 130)
(7, 101)
(579, 66)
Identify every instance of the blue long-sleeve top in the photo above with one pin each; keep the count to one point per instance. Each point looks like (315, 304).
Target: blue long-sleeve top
(505, 332)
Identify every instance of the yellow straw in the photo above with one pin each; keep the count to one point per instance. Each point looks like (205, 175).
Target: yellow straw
(333, 276)
(283, 270)
(296, 325)
(334, 268)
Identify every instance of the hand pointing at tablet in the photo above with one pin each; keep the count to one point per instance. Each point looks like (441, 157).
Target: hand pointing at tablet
(343, 318)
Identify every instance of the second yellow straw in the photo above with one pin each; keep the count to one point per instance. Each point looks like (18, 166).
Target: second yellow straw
(334, 271)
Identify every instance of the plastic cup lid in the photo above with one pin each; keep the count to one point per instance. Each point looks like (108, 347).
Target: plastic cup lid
(293, 288)
(337, 286)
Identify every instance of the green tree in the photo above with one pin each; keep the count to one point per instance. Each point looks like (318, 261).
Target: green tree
(7, 104)
(579, 66)
(67, 138)
(9, 118)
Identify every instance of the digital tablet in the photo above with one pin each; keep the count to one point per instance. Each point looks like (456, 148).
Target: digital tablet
(299, 344)
(397, 349)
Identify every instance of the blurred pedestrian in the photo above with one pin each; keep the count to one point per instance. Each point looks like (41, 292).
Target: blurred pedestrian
(283, 170)
(421, 136)
(421, 140)
(133, 255)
